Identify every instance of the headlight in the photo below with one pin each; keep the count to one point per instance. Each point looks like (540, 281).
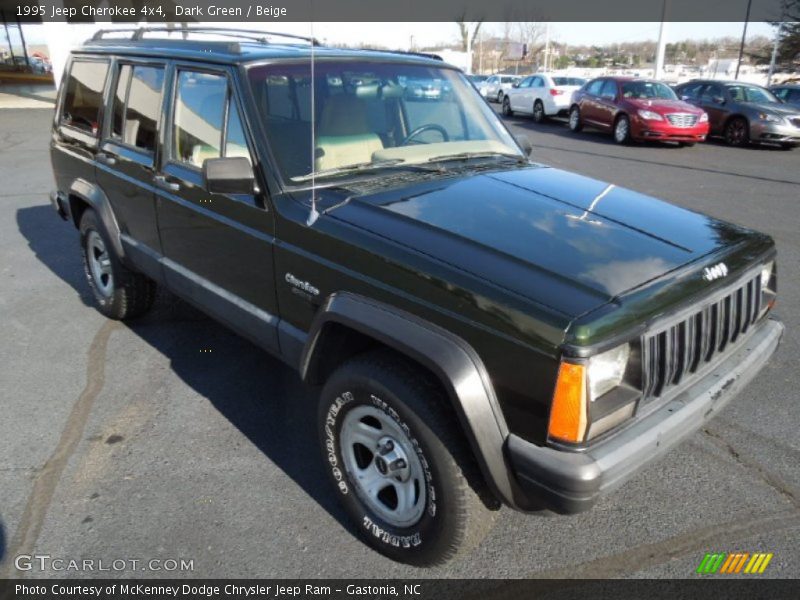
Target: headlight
(769, 118)
(650, 115)
(704, 117)
(606, 370)
(766, 275)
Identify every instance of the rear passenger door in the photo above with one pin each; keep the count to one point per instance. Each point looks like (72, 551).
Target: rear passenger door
(218, 248)
(127, 155)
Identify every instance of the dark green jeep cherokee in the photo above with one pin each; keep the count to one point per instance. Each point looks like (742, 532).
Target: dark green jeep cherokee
(486, 330)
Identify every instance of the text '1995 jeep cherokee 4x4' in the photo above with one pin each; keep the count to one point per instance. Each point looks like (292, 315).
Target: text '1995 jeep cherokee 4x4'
(487, 330)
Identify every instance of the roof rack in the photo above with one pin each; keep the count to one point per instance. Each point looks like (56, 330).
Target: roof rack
(255, 35)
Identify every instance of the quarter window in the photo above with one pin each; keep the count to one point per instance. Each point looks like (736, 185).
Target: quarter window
(83, 95)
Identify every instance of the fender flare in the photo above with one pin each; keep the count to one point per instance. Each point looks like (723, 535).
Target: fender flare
(450, 358)
(96, 198)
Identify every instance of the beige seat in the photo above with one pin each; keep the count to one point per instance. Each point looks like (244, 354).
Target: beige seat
(344, 136)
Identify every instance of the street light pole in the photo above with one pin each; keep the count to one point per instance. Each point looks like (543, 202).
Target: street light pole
(662, 43)
(744, 36)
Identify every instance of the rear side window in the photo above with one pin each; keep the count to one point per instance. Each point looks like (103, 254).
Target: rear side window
(137, 104)
(83, 95)
(144, 106)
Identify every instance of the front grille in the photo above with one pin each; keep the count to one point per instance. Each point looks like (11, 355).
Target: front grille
(677, 351)
(682, 119)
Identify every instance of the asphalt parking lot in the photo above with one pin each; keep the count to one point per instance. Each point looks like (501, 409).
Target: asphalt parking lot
(172, 438)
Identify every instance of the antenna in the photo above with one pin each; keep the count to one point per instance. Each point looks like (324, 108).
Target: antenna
(314, 214)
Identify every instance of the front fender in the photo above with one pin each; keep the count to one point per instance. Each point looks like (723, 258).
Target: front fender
(450, 358)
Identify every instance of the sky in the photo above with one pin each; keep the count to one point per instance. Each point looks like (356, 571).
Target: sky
(399, 35)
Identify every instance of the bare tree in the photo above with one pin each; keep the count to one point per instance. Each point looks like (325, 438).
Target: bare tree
(531, 33)
(468, 32)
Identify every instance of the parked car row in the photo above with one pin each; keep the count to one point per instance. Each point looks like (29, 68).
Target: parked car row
(642, 109)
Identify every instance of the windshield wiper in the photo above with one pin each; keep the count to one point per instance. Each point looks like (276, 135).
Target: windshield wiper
(470, 155)
(366, 166)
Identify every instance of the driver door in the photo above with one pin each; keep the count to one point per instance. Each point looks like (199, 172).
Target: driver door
(218, 248)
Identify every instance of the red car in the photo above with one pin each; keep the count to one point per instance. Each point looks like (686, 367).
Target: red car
(637, 109)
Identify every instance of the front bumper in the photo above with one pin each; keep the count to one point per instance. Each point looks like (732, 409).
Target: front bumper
(774, 133)
(663, 131)
(570, 482)
(61, 204)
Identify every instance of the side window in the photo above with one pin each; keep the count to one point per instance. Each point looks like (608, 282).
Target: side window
(609, 88)
(710, 92)
(690, 90)
(235, 143)
(537, 82)
(793, 96)
(198, 117)
(594, 87)
(143, 107)
(781, 93)
(526, 82)
(83, 95)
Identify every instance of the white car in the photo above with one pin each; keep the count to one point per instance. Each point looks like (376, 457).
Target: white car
(494, 88)
(542, 96)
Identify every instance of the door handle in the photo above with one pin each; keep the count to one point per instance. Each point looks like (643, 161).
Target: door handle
(162, 182)
(106, 159)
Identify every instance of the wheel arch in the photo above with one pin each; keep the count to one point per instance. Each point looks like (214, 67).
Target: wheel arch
(83, 195)
(448, 357)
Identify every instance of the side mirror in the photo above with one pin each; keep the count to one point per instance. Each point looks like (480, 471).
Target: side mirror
(686, 98)
(718, 100)
(524, 143)
(608, 96)
(515, 84)
(232, 175)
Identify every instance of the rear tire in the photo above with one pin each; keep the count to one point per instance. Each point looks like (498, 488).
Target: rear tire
(119, 292)
(538, 112)
(575, 123)
(507, 112)
(737, 132)
(378, 401)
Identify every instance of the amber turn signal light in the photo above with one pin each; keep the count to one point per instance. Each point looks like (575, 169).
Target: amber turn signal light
(568, 413)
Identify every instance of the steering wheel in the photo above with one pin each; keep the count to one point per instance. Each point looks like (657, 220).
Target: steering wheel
(428, 127)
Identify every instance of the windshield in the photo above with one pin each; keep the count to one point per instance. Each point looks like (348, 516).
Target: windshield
(568, 81)
(751, 93)
(644, 90)
(371, 115)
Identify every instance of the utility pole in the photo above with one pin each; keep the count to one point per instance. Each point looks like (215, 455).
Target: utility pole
(744, 36)
(662, 43)
(774, 54)
(546, 46)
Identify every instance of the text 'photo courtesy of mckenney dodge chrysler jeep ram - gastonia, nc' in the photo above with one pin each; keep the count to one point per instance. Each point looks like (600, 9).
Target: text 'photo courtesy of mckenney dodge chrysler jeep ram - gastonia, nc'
(484, 330)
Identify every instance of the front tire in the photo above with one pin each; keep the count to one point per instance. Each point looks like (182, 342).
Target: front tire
(507, 112)
(737, 132)
(622, 130)
(538, 112)
(399, 462)
(575, 123)
(500, 97)
(119, 292)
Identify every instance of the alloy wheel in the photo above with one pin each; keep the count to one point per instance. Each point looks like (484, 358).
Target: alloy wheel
(383, 465)
(100, 264)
